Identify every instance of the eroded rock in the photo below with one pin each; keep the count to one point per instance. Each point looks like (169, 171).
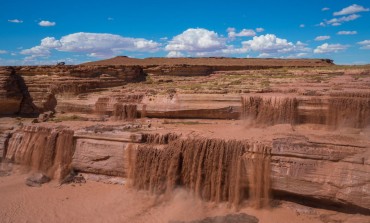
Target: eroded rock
(36, 180)
(231, 218)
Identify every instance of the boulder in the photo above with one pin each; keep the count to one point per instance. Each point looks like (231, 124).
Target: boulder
(36, 180)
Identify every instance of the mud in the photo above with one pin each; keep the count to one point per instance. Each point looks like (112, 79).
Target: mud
(212, 169)
(270, 110)
(42, 149)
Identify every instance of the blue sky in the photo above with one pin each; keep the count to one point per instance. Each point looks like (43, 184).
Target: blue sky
(45, 32)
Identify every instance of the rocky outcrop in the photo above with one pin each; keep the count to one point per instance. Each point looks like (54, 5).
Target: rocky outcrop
(333, 172)
(336, 173)
(231, 218)
(205, 106)
(37, 89)
(100, 157)
(10, 92)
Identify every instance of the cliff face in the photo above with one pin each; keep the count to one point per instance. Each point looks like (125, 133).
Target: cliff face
(216, 170)
(237, 136)
(33, 90)
(10, 92)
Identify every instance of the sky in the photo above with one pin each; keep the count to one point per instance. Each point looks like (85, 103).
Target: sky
(46, 32)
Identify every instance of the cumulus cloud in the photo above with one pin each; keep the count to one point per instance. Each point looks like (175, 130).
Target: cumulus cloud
(330, 48)
(352, 9)
(3, 51)
(46, 23)
(196, 40)
(15, 21)
(272, 45)
(325, 9)
(347, 32)
(339, 21)
(259, 30)
(93, 44)
(231, 32)
(302, 25)
(365, 44)
(175, 54)
(322, 38)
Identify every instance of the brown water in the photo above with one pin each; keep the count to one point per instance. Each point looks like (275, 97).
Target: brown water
(269, 110)
(42, 149)
(213, 169)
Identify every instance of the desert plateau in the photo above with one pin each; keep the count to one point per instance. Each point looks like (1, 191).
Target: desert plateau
(184, 111)
(185, 140)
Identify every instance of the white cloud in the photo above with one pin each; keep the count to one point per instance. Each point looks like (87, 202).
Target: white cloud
(365, 44)
(302, 25)
(50, 42)
(259, 30)
(93, 44)
(339, 21)
(37, 51)
(351, 10)
(330, 48)
(325, 9)
(231, 32)
(321, 24)
(46, 23)
(270, 44)
(15, 21)
(196, 40)
(347, 32)
(3, 52)
(175, 54)
(322, 38)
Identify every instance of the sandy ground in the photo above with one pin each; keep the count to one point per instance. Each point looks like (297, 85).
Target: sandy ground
(99, 202)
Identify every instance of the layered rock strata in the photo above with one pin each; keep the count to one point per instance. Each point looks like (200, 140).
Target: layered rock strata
(33, 90)
(215, 169)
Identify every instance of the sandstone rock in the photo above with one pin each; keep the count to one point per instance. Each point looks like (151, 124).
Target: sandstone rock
(231, 218)
(37, 179)
(104, 178)
(45, 116)
(100, 157)
(205, 106)
(10, 93)
(40, 86)
(328, 172)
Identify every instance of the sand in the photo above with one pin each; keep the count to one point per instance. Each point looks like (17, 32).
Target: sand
(99, 202)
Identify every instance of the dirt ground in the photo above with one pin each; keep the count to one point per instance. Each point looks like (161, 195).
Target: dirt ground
(99, 202)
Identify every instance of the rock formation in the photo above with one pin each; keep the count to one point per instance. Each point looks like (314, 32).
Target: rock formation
(10, 93)
(227, 130)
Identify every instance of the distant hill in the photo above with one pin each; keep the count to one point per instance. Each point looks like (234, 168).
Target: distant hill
(213, 61)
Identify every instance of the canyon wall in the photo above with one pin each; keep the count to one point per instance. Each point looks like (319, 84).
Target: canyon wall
(37, 89)
(10, 92)
(214, 169)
